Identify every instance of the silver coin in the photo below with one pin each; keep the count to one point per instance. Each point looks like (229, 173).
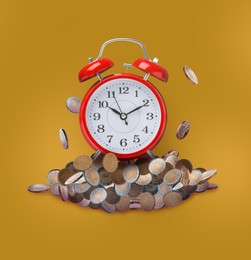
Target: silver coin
(195, 177)
(63, 193)
(98, 195)
(183, 130)
(81, 187)
(81, 180)
(131, 173)
(109, 208)
(63, 138)
(172, 177)
(73, 104)
(190, 75)
(144, 179)
(84, 202)
(38, 188)
(208, 174)
(74, 178)
(163, 188)
(54, 189)
(71, 190)
(156, 166)
(178, 186)
(212, 186)
(172, 159)
(202, 187)
(52, 177)
(158, 201)
(122, 189)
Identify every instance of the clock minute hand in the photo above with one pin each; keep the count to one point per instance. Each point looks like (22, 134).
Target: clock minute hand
(135, 109)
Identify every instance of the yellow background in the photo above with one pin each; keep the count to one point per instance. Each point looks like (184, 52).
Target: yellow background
(43, 46)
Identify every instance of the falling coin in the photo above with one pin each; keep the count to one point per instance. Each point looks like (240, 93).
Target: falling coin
(172, 199)
(157, 166)
(144, 179)
(124, 204)
(131, 173)
(63, 138)
(74, 178)
(64, 175)
(147, 201)
(110, 162)
(38, 188)
(98, 195)
(158, 201)
(105, 177)
(92, 177)
(172, 177)
(122, 189)
(186, 163)
(112, 197)
(183, 130)
(52, 176)
(73, 104)
(143, 163)
(109, 208)
(82, 162)
(190, 75)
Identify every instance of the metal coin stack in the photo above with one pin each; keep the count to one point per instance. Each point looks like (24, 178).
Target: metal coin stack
(150, 182)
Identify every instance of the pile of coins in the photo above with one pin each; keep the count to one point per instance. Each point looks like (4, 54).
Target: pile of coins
(150, 182)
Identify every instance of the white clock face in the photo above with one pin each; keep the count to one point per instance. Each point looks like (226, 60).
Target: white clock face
(123, 116)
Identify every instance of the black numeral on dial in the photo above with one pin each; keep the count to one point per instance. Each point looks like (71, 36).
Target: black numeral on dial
(109, 138)
(145, 129)
(123, 142)
(136, 139)
(101, 128)
(102, 104)
(111, 94)
(124, 90)
(149, 116)
(146, 102)
(96, 116)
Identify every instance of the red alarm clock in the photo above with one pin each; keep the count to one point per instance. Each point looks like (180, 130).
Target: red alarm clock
(123, 113)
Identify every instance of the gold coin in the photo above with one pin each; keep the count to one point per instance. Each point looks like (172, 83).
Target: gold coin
(144, 179)
(122, 189)
(200, 169)
(143, 163)
(172, 177)
(157, 166)
(82, 162)
(64, 175)
(172, 199)
(185, 175)
(147, 201)
(110, 162)
(112, 197)
(131, 173)
(105, 177)
(163, 188)
(124, 204)
(136, 190)
(168, 167)
(117, 176)
(92, 177)
(184, 162)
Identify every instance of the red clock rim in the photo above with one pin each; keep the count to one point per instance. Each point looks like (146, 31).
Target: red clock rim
(92, 142)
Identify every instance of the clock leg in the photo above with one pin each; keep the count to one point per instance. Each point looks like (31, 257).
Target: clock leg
(150, 154)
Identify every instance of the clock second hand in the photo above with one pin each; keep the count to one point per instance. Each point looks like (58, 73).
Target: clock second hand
(123, 116)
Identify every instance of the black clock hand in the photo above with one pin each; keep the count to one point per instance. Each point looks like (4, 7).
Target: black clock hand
(115, 111)
(135, 109)
(123, 116)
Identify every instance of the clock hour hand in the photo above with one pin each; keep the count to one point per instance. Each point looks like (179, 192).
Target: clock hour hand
(123, 116)
(115, 111)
